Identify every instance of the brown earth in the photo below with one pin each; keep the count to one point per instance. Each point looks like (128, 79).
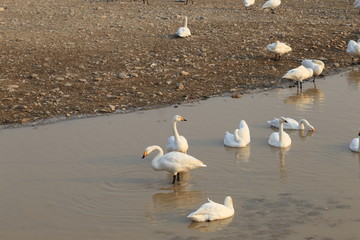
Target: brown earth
(74, 57)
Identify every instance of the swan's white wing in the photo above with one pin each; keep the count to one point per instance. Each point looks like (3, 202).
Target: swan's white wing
(248, 3)
(173, 145)
(244, 133)
(180, 162)
(229, 140)
(211, 211)
(183, 32)
(354, 145)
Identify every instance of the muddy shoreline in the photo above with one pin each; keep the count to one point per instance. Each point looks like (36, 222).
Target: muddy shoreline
(74, 58)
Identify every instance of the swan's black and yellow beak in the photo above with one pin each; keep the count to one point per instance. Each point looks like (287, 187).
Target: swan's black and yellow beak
(145, 154)
(313, 129)
(359, 133)
(183, 119)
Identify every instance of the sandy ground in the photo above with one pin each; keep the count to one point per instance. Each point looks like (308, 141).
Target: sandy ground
(73, 57)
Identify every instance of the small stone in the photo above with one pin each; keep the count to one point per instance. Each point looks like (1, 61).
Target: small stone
(237, 95)
(112, 107)
(60, 79)
(180, 86)
(184, 73)
(122, 75)
(68, 84)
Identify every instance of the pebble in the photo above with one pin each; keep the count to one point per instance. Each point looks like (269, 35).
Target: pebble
(180, 86)
(184, 73)
(237, 95)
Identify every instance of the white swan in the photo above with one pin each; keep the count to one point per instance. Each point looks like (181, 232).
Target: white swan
(354, 145)
(176, 142)
(272, 4)
(316, 65)
(292, 124)
(248, 3)
(353, 48)
(299, 74)
(172, 162)
(281, 138)
(211, 211)
(240, 138)
(184, 31)
(279, 49)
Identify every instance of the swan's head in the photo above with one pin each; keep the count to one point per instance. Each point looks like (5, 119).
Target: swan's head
(228, 201)
(282, 120)
(149, 149)
(178, 118)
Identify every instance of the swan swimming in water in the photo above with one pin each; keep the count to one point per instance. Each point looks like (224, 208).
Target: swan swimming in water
(184, 31)
(353, 48)
(272, 4)
(354, 145)
(299, 74)
(172, 162)
(240, 138)
(211, 211)
(292, 124)
(316, 65)
(280, 138)
(279, 49)
(248, 3)
(176, 142)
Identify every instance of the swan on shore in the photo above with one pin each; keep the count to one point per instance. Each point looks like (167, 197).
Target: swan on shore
(279, 49)
(172, 162)
(184, 31)
(353, 48)
(272, 4)
(240, 138)
(211, 211)
(299, 74)
(280, 139)
(354, 145)
(248, 3)
(316, 65)
(176, 142)
(292, 124)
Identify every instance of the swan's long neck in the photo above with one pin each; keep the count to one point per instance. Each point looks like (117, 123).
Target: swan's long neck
(281, 132)
(155, 162)
(237, 135)
(303, 123)
(185, 25)
(175, 132)
(228, 203)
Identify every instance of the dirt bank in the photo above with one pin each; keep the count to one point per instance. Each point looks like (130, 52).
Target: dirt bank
(71, 57)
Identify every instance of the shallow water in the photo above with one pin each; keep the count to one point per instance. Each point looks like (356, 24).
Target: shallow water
(85, 179)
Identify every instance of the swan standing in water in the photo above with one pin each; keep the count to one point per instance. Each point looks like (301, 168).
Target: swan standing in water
(172, 162)
(292, 124)
(184, 31)
(279, 49)
(316, 65)
(353, 48)
(248, 3)
(281, 138)
(211, 211)
(176, 142)
(272, 4)
(240, 138)
(354, 145)
(299, 74)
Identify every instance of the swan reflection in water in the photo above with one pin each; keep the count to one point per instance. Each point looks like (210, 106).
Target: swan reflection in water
(178, 197)
(241, 154)
(282, 164)
(306, 99)
(353, 78)
(212, 226)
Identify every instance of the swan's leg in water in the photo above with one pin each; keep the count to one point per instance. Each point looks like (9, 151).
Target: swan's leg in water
(178, 176)
(174, 178)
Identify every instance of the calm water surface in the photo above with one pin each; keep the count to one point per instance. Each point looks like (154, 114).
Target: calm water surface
(85, 179)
